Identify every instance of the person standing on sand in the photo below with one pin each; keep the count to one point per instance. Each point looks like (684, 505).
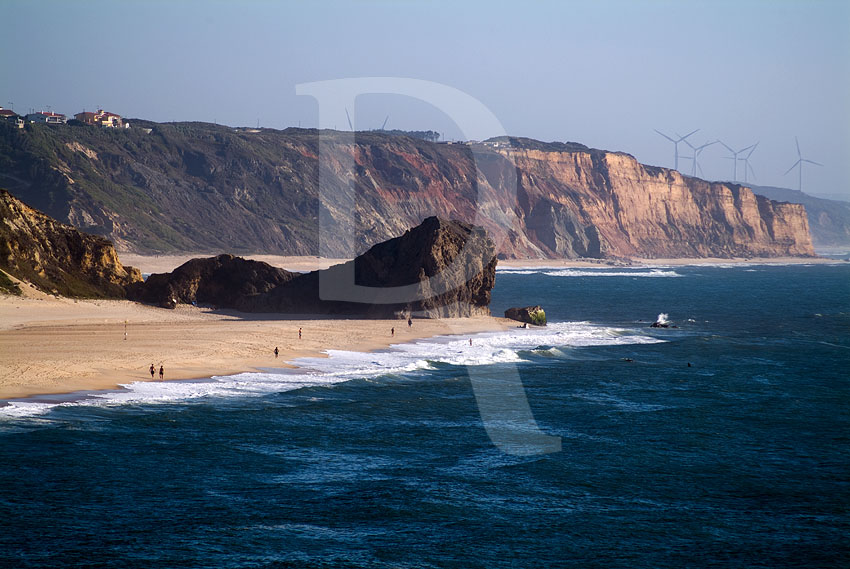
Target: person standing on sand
(299, 333)
(275, 351)
(392, 331)
(409, 322)
(470, 341)
(153, 371)
(161, 373)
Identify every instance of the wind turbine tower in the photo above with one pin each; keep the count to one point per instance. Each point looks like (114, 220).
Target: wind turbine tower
(746, 161)
(695, 158)
(734, 158)
(799, 165)
(675, 145)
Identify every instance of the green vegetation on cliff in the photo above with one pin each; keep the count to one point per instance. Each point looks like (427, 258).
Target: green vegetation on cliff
(8, 286)
(57, 258)
(198, 187)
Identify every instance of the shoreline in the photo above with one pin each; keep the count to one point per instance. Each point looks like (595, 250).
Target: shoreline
(166, 263)
(637, 263)
(58, 346)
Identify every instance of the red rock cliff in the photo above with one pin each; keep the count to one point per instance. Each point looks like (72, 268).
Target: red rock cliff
(200, 187)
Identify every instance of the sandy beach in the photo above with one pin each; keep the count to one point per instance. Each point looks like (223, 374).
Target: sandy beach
(58, 345)
(167, 263)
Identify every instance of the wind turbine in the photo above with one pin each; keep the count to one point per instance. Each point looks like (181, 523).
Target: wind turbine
(349, 120)
(675, 145)
(384, 126)
(799, 164)
(695, 158)
(734, 158)
(746, 161)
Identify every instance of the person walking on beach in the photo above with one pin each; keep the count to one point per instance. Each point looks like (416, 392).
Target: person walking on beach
(299, 333)
(161, 373)
(153, 371)
(470, 341)
(409, 322)
(275, 351)
(392, 331)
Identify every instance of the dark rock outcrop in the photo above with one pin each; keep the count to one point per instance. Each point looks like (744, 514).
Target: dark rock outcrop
(58, 258)
(195, 186)
(530, 314)
(438, 269)
(221, 281)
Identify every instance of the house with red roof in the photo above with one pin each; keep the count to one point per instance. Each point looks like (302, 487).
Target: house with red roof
(47, 117)
(100, 118)
(11, 116)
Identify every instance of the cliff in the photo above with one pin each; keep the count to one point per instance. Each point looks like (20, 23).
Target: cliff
(829, 220)
(437, 269)
(58, 258)
(597, 204)
(200, 187)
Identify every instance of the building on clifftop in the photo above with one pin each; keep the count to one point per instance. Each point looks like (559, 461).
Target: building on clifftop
(101, 118)
(47, 117)
(11, 117)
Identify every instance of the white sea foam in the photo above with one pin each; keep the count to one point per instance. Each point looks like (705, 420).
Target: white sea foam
(503, 347)
(601, 272)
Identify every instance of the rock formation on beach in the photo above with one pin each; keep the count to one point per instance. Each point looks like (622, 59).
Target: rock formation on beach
(218, 281)
(529, 314)
(58, 258)
(194, 186)
(438, 269)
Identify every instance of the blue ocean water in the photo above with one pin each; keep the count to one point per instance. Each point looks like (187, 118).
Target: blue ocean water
(741, 459)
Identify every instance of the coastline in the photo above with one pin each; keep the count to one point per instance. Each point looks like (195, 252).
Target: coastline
(166, 263)
(666, 262)
(52, 345)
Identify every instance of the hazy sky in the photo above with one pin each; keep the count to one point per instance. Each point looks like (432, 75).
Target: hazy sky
(602, 73)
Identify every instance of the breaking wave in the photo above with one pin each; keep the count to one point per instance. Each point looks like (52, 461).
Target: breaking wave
(504, 347)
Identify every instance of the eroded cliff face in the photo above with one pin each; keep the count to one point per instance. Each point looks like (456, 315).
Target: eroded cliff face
(58, 258)
(622, 208)
(199, 187)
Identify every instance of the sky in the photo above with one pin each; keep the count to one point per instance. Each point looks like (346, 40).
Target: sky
(603, 73)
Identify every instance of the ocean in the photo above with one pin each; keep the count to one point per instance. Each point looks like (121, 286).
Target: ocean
(721, 441)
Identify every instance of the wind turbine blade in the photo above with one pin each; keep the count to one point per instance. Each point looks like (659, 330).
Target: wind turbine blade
(743, 149)
(792, 167)
(727, 146)
(689, 134)
(700, 170)
(664, 135)
(349, 120)
(797, 142)
(753, 149)
(810, 161)
(691, 146)
(753, 172)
